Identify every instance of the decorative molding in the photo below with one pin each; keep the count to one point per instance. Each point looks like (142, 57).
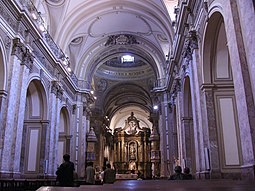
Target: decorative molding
(18, 48)
(23, 53)
(7, 16)
(122, 39)
(190, 44)
(57, 89)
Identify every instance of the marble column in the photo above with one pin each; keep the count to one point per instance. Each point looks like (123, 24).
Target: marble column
(212, 130)
(19, 65)
(3, 97)
(54, 115)
(165, 141)
(155, 147)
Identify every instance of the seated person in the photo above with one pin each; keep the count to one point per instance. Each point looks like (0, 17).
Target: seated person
(109, 175)
(65, 173)
(178, 175)
(187, 175)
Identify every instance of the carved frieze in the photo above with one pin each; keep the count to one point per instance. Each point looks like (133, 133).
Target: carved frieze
(122, 39)
(7, 16)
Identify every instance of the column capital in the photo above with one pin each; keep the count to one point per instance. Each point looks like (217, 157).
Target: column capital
(207, 87)
(23, 53)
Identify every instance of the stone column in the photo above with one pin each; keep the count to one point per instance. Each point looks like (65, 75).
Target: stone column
(81, 134)
(12, 127)
(213, 139)
(165, 140)
(155, 152)
(3, 96)
(44, 166)
(200, 133)
(173, 140)
(186, 124)
(54, 116)
(244, 86)
(24, 74)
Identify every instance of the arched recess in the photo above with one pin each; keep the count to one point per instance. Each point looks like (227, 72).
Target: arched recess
(187, 120)
(64, 135)
(220, 100)
(34, 132)
(3, 74)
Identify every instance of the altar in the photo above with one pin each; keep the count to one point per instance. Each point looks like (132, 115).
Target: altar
(132, 149)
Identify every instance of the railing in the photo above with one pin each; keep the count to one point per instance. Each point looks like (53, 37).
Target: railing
(24, 184)
(30, 184)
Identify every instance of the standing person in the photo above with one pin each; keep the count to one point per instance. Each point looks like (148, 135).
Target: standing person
(65, 172)
(90, 173)
(109, 175)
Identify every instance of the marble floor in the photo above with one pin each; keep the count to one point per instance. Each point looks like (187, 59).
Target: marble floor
(166, 185)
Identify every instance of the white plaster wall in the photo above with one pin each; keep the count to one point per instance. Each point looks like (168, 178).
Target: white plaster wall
(33, 150)
(247, 20)
(229, 133)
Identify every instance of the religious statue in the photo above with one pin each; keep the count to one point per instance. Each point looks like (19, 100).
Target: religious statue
(132, 152)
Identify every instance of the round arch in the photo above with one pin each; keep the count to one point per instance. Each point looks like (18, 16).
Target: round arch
(34, 132)
(3, 67)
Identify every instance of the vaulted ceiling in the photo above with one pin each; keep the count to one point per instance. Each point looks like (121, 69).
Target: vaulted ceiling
(96, 34)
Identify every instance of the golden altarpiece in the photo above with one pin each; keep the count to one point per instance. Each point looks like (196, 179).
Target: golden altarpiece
(132, 148)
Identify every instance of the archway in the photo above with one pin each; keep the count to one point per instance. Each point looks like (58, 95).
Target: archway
(64, 135)
(34, 133)
(187, 120)
(223, 122)
(3, 77)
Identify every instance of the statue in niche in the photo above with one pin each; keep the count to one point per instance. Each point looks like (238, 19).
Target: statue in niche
(132, 152)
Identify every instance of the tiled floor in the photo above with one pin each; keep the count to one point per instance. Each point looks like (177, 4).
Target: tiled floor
(166, 185)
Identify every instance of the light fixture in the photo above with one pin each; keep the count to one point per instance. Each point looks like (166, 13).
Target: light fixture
(65, 62)
(92, 92)
(33, 14)
(69, 69)
(95, 97)
(155, 107)
(127, 58)
(41, 27)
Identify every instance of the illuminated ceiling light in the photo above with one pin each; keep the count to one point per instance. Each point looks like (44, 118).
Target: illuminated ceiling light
(69, 69)
(41, 27)
(127, 58)
(92, 92)
(34, 16)
(155, 107)
(95, 97)
(65, 63)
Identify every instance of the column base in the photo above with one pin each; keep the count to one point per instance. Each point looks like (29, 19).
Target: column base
(248, 172)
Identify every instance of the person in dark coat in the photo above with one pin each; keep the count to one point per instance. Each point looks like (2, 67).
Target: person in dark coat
(65, 172)
(178, 175)
(187, 175)
(109, 175)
